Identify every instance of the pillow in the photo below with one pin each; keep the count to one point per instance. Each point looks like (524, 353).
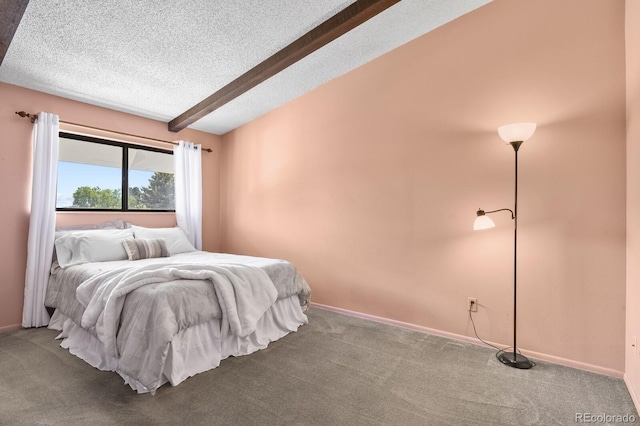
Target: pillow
(175, 238)
(114, 224)
(97, 245)
(145, 248)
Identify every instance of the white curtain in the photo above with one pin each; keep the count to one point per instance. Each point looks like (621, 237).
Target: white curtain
(42, 221)
(188, 178)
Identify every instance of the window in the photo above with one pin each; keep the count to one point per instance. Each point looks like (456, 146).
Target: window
(93, 174)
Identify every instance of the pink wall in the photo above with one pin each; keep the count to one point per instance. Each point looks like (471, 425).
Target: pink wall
(370, 183)
(632, 366)
(15, 178)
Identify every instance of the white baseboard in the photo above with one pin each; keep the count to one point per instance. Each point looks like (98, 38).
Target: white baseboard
(532, 354)
(633, 394)
(10, 327)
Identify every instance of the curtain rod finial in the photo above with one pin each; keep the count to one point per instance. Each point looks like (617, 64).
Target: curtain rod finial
(23, 114)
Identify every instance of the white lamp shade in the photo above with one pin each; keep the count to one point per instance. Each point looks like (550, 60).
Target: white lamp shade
(518, 132)
(483, 222)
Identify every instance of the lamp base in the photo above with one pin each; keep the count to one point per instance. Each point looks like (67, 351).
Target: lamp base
(515, 360)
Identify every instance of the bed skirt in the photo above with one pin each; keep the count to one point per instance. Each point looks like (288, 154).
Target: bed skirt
(193, 350)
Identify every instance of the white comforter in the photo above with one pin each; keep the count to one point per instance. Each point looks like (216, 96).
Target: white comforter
(243, 292)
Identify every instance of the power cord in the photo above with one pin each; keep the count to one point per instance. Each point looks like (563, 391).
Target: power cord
(486, 343)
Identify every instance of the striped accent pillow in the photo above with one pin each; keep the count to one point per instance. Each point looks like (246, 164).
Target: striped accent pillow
(145, 248)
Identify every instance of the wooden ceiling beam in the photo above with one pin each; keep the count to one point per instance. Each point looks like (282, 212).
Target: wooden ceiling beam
(11, 12)
(339, 24)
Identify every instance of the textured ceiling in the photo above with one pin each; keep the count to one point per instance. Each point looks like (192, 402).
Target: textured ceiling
(157, 59)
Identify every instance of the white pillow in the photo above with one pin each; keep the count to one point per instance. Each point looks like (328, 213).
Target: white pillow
(99, 245)
(113, 224)
(177, 241)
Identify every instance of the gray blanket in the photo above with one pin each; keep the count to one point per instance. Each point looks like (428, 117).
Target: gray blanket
(244, 293)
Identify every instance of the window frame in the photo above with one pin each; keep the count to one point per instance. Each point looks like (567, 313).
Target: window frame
(124, 167)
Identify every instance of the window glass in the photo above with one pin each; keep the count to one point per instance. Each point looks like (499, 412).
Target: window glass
(89, 175)
(92, 174)
(151, 180)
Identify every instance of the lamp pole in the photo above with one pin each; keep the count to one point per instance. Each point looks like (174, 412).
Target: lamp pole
(515, 359)
(516, 146)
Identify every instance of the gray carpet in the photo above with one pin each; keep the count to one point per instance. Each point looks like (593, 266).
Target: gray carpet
(337, 370)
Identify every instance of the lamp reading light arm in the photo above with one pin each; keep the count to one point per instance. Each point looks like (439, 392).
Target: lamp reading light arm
(481, 212)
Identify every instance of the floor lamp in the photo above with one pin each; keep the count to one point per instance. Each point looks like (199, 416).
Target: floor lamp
(514, 134)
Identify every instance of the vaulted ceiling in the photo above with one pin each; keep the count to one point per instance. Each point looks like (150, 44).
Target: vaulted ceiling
(209, 65)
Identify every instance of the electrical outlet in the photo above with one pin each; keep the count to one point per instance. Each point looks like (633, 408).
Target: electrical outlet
(472, 304)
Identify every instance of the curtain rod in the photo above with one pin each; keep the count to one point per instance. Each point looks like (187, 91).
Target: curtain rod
(34, 117)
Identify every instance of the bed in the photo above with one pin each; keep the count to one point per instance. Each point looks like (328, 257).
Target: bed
(144, 303)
